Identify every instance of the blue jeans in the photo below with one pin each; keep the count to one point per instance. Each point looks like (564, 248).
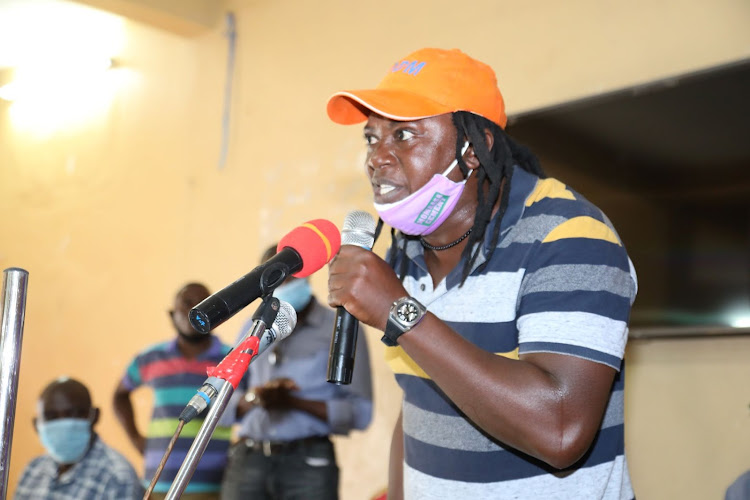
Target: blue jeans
(307, 471)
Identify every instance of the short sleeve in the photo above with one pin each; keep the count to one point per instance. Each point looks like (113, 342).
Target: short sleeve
(133, 377)
(577, 292)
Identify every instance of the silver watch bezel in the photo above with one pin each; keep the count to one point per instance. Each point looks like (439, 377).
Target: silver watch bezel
(407, 302)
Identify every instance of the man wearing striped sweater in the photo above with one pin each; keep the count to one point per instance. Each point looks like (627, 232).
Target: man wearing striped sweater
(504, 300)
(174, 370)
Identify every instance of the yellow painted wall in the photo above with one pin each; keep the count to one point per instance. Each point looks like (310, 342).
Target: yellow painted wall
(112, 214)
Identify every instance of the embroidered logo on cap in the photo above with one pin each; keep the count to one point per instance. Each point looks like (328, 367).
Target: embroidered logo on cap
(409, 67)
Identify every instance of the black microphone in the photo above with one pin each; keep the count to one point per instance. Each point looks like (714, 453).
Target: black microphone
(301, 252)
(359, 229)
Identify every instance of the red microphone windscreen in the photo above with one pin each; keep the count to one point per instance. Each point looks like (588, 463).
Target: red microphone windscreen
(316, 241)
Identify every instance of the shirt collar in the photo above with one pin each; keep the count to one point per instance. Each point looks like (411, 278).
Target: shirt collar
(317, 314)
(521, 186)
(69, 475)
(213, 351)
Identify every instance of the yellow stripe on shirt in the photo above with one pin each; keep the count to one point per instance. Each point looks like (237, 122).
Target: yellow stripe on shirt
(549, 188)
(583, 227)
(165, 427)
(402, 364)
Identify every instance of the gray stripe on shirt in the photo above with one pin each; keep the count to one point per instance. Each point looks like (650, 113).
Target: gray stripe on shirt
(573, 277)
(532, 229)
(452, 432)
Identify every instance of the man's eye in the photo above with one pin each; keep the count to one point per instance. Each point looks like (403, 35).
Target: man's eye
(370, 139)
(404, 135)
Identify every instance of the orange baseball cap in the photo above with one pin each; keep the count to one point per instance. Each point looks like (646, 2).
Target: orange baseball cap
(425, 83)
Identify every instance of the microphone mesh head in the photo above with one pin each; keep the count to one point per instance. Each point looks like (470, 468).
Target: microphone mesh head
(359, 229)
(285, 321)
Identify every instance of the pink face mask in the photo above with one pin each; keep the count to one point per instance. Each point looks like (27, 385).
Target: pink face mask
(425, 209)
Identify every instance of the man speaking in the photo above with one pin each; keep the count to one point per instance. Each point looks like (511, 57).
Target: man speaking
(504, 301)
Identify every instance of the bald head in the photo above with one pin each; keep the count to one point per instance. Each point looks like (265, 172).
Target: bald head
(64, 398)
(188, 297)
(191, 295)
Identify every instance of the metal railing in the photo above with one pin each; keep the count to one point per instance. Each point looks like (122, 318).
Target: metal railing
(12, 311)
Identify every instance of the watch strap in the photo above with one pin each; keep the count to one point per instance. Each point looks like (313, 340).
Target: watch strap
(392, 333)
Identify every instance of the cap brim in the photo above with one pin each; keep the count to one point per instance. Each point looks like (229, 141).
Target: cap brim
(353, 106)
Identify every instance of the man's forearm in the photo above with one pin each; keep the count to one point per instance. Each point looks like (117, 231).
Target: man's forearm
(124, 412)
(317, 409)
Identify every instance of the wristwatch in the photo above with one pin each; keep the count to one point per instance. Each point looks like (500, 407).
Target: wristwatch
(251, 396)
(405, 314)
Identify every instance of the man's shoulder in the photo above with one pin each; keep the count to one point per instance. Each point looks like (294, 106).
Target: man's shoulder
(223, 347)
(113, 462)
(39, 464)
(555, 211)
(553, 197)
(155, 351)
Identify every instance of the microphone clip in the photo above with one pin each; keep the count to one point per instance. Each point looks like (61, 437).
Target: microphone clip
(272, 276)
(266, 313)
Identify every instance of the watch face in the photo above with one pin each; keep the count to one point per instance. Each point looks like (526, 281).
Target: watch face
(407, 312)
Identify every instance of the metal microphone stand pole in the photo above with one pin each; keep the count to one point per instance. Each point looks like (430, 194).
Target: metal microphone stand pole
(12, 312)
(218, 405)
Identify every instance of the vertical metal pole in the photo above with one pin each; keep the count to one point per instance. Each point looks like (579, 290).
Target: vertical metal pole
(12, 311)
(200, 442)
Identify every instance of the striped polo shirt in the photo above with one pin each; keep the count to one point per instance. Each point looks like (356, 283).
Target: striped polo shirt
(559, 281)
(174, 380)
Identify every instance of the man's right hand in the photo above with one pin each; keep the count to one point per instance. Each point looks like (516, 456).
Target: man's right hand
(275, 395)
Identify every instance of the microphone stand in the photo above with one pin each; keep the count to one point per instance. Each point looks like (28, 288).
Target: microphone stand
(265, 317)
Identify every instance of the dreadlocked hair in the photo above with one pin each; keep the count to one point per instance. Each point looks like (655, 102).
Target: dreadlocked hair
(494, 177)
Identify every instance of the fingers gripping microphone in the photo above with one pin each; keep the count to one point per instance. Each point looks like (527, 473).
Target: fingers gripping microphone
(359, 229)
(300, 253)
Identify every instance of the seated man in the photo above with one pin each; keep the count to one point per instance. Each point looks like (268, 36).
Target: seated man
(78, 465)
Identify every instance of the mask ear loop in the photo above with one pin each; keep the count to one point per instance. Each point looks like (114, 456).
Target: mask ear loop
(455, 162)
(378, 229)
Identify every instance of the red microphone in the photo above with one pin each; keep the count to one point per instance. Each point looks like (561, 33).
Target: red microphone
(317, 241)
(300, 253)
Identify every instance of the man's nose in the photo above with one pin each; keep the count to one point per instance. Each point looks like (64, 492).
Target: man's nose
(381, 155)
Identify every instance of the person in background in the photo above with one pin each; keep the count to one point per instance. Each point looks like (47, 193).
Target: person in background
(77, 465)
(174, 370)
(740, 488)
(290, 410)
(504, 301)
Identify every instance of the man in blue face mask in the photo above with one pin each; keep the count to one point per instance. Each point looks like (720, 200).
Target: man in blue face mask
(78, 465)
(290, 410)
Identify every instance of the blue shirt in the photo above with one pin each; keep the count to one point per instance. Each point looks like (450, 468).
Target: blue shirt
(101, 474)
(303, 357)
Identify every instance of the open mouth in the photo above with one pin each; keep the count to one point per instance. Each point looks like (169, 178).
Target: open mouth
(385, 193)
(384, 189)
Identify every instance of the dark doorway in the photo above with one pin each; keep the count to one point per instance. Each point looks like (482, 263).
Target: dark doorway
(669, 163)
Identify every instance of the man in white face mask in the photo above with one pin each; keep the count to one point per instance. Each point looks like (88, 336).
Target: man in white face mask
(78, 465)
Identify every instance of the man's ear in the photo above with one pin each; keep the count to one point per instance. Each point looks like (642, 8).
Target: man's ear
(94, 416)
(489, 139)
(470, 158)
(33, 422)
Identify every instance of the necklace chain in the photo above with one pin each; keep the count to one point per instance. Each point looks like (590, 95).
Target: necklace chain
(449, 245)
